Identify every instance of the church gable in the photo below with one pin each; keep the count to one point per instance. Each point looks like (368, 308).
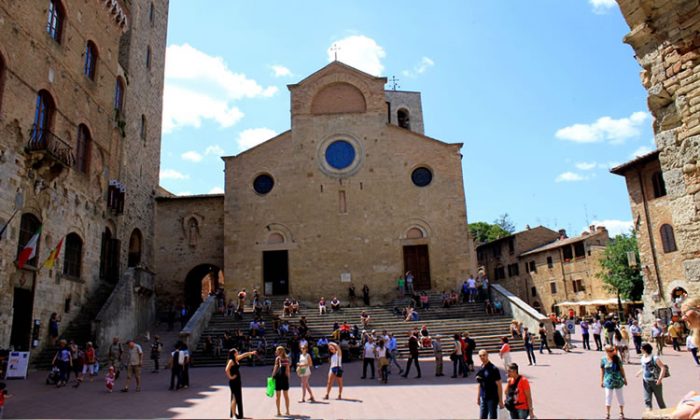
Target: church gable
(338, 88)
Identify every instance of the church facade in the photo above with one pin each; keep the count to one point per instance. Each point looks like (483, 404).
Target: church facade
(354, 193)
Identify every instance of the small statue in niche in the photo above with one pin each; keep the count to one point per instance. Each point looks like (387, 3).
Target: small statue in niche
(193, 231)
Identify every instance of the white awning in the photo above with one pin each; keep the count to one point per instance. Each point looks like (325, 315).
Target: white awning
(598, 302)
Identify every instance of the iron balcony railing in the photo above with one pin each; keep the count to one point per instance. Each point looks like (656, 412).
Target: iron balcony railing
(42, 140)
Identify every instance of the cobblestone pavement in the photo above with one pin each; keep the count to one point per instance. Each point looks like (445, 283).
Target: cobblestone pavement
(564, 386)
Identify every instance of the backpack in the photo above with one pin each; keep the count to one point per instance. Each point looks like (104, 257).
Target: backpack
(511, 396)
(657, 369)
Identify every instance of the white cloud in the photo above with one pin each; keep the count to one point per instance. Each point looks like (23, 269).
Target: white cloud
(192, 156)
(570, 177)
(604, 128)
(586, 166)
(641, 150)
(199, 86)
(360, 52)
(420, 68)
(215, 150)
(254, 136)
(172, 174)
(614, 227)
(281, 71)
(600, 7)
(216, 190)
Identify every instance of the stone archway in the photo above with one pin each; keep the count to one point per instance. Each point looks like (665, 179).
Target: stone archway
(200, 281)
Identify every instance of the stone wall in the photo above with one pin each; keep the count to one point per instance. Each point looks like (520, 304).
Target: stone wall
(665, 37)
(409, 101)
(64, 199)
(182, 246)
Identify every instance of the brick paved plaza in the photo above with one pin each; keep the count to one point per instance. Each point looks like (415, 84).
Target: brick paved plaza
(564, 386)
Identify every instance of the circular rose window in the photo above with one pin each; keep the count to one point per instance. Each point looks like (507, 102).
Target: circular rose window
(263, 184)
(340, 154)
(422, 176)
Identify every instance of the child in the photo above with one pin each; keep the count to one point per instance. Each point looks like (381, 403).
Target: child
(109, 379)
(505, 353)
(3, 395)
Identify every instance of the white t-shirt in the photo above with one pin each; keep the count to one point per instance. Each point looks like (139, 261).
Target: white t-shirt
(689, 343)
(369, 350)
(381, 352)
(471, 283)
(335, 361)
(596, 328)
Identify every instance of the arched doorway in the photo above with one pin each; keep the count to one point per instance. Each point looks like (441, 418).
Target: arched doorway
(200, 281)
(135, 242)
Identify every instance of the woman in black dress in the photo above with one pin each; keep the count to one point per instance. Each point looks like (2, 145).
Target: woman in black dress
(234, 380)
(281, 374)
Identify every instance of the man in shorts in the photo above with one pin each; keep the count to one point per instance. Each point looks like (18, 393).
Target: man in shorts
(133, 368)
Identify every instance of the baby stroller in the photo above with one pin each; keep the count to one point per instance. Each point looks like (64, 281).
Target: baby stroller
(54, 376)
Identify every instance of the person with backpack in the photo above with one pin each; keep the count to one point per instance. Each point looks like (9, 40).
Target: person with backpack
(517, 395)
(653, 372)
(612, 379)
(177, 363)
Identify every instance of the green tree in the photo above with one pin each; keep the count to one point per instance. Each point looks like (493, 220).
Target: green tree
(483, 232)
(617, 274)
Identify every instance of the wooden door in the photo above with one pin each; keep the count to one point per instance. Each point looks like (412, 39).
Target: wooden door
(415, 260)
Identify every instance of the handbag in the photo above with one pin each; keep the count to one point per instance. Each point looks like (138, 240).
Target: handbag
(383, 361)
(270, 392)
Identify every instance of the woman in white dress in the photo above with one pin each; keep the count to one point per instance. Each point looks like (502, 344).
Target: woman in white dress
(304, 367)
(335, 374)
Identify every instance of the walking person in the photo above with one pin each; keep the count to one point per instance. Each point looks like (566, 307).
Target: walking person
(368, 357)
(413, 355)
(437, 352)
(529, 346)
(504, 352)
(304, 368)
(281, 373)
(596, 329)
(543, 338)
(393, 351)
(518, 397)
(585, 326)
(458, 366)
(115, 355)
(382, 360)
(63, 361)
(636, 332)
(234, 380)
(335, 372)
(612, 379)
(674, 331)
(490, 388)
(653, 371)
(156, 348)
(657, 334)
(133, 368)
(177, 361)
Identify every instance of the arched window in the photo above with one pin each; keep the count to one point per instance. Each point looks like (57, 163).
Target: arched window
(143, 127)
(57, 15)
(135, 248)
(82, 149)
(43, 116)
(403, 118)
(28, 227)
(657, 182)
(119, 90)
(668, 239)
(73, 256)
(90, 60)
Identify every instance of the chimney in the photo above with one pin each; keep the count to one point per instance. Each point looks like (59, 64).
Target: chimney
(600, 229)
(591, 228)
(562, 234)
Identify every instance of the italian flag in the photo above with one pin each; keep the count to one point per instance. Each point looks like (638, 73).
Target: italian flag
(29, 250)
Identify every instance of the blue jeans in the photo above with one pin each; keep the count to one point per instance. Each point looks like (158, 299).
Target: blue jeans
(519, 414)
(488, 409)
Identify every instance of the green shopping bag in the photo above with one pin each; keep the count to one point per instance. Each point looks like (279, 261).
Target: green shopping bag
(270, 387)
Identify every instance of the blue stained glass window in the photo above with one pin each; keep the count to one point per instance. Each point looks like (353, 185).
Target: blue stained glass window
(340, 154)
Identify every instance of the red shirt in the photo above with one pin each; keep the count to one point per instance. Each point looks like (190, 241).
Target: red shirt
(520, 397)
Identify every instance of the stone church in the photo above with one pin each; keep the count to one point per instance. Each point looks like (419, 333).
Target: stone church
(354, 193)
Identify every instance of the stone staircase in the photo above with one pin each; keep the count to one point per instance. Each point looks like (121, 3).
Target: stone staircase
(486, 330)
(80, 328)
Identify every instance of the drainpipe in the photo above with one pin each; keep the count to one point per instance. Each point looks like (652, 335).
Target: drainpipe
(650, 233)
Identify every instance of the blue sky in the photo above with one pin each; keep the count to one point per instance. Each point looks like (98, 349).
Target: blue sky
(544, 94)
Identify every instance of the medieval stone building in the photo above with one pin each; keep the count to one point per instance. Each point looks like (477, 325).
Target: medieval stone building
(665, 37)
(353, 193)
(81, 86)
